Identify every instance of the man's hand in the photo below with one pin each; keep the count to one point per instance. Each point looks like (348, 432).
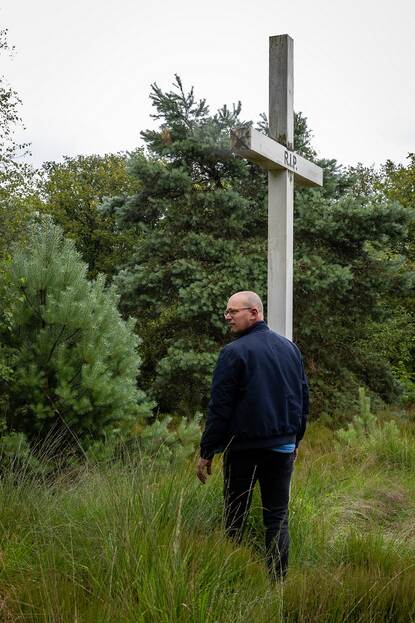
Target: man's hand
(295, 454)
(203, 466)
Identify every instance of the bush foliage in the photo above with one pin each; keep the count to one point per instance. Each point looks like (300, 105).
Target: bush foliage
(72, 361)
(202, 217)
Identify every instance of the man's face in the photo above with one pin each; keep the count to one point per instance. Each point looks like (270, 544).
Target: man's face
(240, 316)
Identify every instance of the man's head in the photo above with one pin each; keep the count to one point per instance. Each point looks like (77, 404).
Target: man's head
(243, 310)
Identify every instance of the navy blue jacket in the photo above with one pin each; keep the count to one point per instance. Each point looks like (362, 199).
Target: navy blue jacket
(259, 395)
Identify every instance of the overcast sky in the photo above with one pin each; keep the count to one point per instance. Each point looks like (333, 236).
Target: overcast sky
(83, 68)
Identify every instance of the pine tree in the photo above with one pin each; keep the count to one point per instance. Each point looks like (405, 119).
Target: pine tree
(73, 361)
(201, 238)
(202, 217)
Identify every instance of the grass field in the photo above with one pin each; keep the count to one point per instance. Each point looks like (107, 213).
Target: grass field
(142, 543)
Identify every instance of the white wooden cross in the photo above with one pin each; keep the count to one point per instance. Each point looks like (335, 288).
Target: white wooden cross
(276, 154)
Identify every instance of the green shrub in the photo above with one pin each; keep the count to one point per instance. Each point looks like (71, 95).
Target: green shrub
(384, 442)
(165, 441)
(72, 359)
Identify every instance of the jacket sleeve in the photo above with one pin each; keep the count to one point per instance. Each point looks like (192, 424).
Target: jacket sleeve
(305, 405)
(221, 405)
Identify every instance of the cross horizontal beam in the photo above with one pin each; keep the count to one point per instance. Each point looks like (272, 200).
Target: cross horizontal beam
(273, 156)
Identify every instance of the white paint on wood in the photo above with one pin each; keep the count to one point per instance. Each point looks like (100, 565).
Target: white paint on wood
(273, 156)
(276, 154)
(280, 245)
(281, 90)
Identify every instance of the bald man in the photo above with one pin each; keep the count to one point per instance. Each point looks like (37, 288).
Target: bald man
(257, 415)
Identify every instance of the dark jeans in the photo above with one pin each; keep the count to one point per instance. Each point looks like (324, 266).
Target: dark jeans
(273, 470)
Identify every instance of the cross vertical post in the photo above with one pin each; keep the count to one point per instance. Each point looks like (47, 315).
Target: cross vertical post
(281, 188)
(276, 154)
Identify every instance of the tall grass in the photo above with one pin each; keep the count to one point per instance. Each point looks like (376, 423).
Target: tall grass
(144, 543)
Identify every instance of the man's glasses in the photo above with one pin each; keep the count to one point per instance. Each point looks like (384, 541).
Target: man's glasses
(233, 312)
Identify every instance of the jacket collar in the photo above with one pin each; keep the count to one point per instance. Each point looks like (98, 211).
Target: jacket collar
(261, 325)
